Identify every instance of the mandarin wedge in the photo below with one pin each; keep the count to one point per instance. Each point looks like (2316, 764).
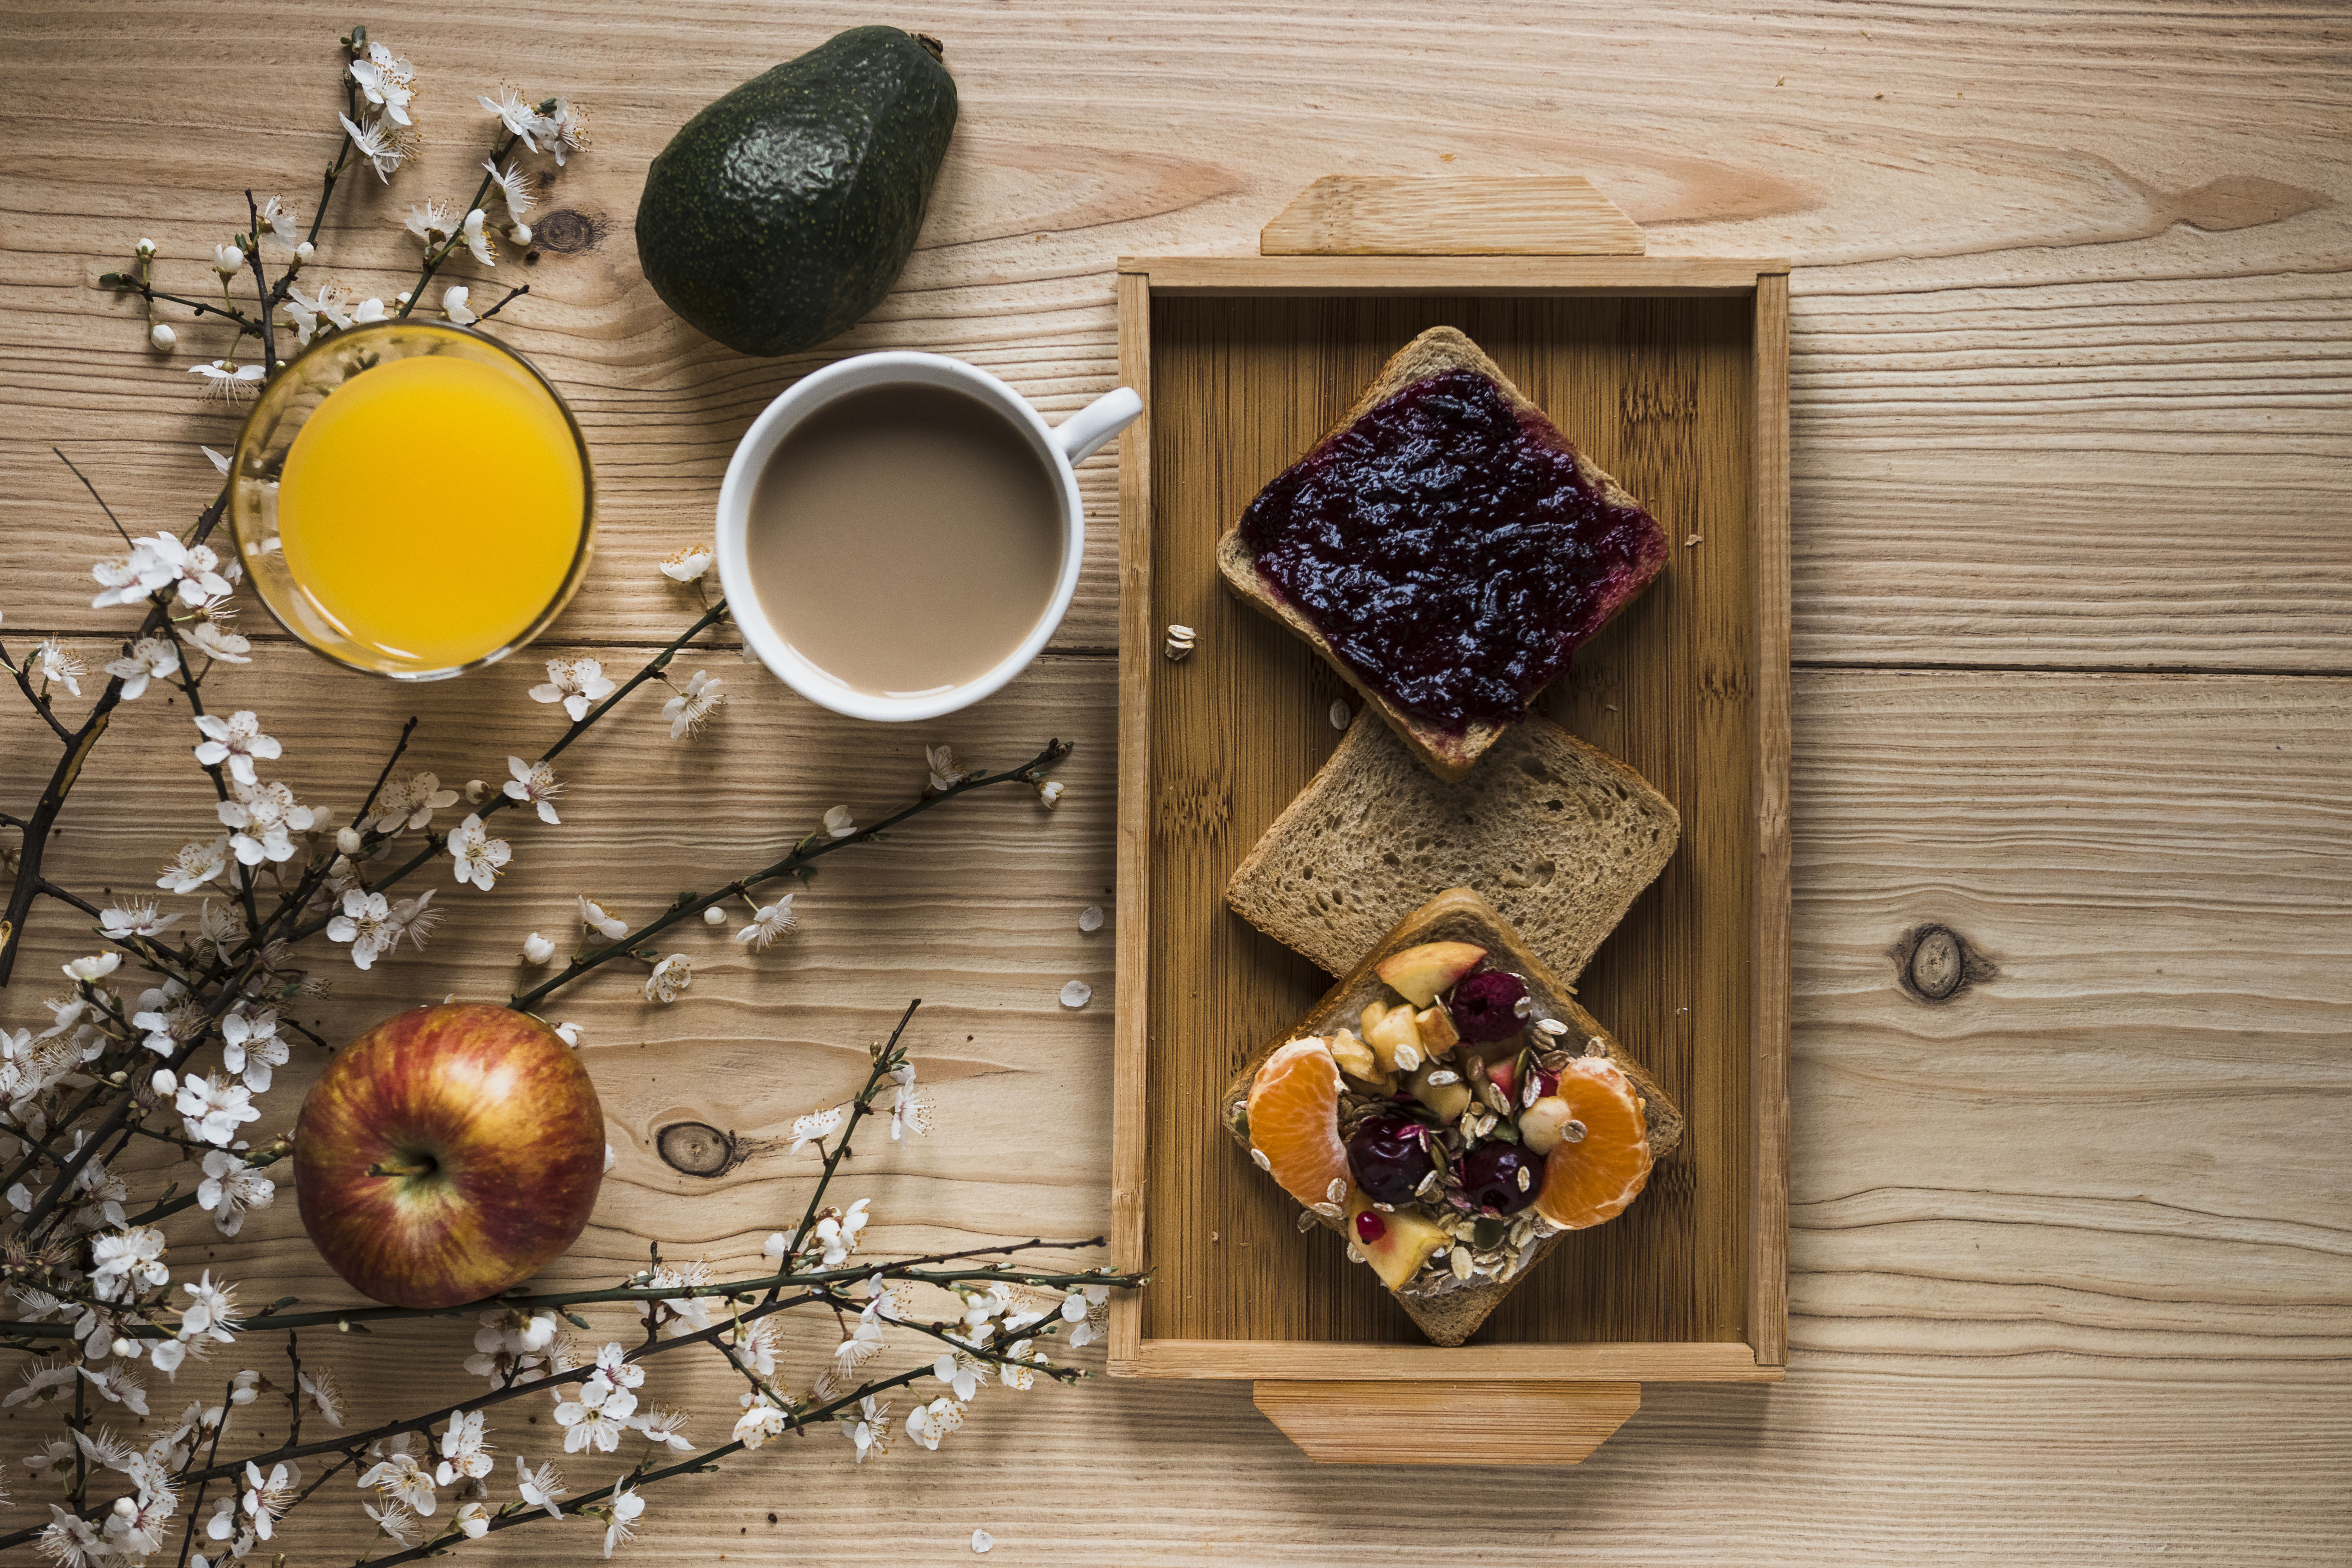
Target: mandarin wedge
(1603, 1160)
(1294, 1122)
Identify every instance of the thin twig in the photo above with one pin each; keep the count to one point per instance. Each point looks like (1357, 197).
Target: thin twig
(512, 295)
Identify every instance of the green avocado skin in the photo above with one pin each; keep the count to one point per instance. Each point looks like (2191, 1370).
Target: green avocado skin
(782, 213)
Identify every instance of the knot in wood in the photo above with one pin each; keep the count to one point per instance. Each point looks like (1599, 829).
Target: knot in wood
(1936, 964)
(695, 1149)
(565, 231)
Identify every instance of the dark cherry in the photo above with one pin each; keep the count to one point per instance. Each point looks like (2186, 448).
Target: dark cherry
(1490, 1177)
(1390, 1156)
(1371, 1226)
(1485, 1006)
(1449, 550)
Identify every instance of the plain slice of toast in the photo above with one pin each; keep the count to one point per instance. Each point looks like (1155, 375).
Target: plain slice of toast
(1447, 1309)
(1433, 352)
(1559, 836)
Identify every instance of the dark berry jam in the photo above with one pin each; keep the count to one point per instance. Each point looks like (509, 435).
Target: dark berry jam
(1449, 551)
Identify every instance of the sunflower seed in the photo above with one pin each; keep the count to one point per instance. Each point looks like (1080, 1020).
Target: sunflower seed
(1429, 1184)
(1257, 1157)
(1493, 1095)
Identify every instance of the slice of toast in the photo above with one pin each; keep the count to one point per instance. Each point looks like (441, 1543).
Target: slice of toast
(1559, 836)
(1448, 753)
(1449, 1309)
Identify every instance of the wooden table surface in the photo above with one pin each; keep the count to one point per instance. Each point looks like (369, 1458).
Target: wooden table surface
(2071, 1277)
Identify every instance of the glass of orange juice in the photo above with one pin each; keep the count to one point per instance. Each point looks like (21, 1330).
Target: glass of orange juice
(412, 499)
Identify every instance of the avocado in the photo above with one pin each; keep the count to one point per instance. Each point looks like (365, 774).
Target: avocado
(783, 211)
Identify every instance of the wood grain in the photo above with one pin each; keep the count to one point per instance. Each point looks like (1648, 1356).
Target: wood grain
(2069, 1278)
(1373, 214)
(1449, 1424)
(1768, 1267)
(1659, 392)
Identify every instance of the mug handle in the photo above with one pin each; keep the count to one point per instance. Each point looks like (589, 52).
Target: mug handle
(1088, 431)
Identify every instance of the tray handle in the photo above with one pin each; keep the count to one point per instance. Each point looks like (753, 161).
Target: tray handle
(1465, 215)
(1376, 1422)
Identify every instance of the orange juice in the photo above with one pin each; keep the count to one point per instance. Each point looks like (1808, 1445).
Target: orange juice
(431, 508)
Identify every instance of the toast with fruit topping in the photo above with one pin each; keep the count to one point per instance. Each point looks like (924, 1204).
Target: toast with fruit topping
(1451, 1113)
(1445, 547)
(1559, 836)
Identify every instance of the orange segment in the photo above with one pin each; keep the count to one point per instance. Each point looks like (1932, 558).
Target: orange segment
(1594, 1178)
(1293, 1120)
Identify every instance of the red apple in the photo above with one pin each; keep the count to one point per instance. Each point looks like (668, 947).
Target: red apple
(448, 1153)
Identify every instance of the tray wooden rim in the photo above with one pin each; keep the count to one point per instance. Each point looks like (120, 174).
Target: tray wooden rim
(1763, 1355)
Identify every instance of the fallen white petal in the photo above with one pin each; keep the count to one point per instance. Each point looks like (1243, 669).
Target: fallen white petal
(1090, 918)
(982, 1540)
(1076, 993)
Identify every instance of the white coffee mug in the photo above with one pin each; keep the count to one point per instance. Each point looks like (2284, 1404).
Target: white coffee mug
(1076, 438)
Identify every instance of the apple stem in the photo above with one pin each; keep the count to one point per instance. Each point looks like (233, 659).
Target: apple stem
(401, 1168)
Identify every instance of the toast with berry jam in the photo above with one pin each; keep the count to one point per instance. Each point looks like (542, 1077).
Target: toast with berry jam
(1451, 1113)
(1445, 548)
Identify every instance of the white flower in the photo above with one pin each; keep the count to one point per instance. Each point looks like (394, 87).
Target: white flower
(869, 1428)
(220, 643)
(625, 1508)
(960, 1372)
(1090, 919)
(515, 186)
(670, 978)
(839, 823)
(692, 704)
(480, 859)
(541, 1487)
(229, 260)
(382, 149)
(126, 1262)
(910, 1111)
(267, 1497)
(98, 966)
(41, 1379)
(817, 1126)
(211, 1311)
(136, 919)
(945, 774)
(430, 222)
(537, 950)
(665, 1425)
(58, 664)
(463, 1451)
(474, 1519)
(320, 1387)
(236, 741)
(387, 81)
(149, 659)
(575, 683)
(1076, 993)
(585, 1426)
(837, 1234)
(521, 121)
(399, 1475)
(566, 128)
(570, 1034)
(453, 305)
(768, 923)
(213, 1108)
(927, 1424)
(225, 380)
(761, 1419)
(411, 804)
(279, 219)
(534, 783)
(595, 918)
(250, 1047)
(395, 1520)
(71, 1541)
(366, 924)
(476, 241)
(263, 817)
(688, 563)
(1049, 794)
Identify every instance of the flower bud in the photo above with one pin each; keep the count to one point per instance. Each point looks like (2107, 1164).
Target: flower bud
(475, 792)
(537, 950)
(228, 259)
(162, 335)
(126, 1349)
(303, 252)
(349, 841)
(714, 915)
(519, 232)
(146, 249)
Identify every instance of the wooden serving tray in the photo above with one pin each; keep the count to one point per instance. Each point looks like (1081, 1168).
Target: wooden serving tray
(1672, 374)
